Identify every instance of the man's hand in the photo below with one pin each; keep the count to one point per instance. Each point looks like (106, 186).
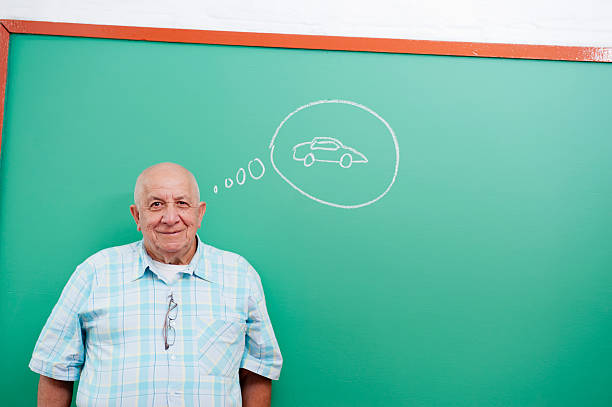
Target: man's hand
(54, 393)
(256, 390)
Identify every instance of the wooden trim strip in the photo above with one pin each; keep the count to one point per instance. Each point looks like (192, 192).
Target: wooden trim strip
(474, 49)
(4, 48)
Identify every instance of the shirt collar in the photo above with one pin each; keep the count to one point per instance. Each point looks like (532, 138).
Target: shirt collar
(199, 265)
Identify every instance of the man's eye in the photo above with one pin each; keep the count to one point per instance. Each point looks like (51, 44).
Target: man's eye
(182, 204)
(156, 205)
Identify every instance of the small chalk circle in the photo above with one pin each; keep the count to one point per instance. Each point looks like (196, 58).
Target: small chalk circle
(263, 169)
(239, 176)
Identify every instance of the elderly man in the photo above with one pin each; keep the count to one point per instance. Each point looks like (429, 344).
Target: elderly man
(166, 321)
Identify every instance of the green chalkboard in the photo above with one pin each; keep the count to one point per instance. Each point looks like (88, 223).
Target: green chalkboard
(460, 255)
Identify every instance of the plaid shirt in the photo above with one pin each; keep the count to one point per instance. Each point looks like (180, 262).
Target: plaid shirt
(106, 331)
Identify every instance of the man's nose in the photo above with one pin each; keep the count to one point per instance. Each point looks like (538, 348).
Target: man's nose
(170, 215)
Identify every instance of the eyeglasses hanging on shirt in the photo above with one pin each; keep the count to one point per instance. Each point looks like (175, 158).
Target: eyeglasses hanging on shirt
(168, 329)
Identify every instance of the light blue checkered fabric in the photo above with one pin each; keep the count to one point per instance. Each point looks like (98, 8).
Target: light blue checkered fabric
(106, 331)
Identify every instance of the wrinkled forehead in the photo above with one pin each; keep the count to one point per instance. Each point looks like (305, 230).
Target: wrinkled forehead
(167, 185)
(169, 188)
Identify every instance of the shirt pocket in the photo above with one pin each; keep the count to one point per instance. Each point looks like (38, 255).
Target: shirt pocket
(221, 345)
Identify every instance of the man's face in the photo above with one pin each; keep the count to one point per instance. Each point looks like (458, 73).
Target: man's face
(168, 213)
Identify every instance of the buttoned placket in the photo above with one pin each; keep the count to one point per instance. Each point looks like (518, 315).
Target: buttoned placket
(175, 368)
(174, 361)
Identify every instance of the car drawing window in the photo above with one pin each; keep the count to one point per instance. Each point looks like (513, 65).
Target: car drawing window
(324, 145)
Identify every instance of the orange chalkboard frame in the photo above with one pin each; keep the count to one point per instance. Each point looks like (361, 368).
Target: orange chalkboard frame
(402, 46)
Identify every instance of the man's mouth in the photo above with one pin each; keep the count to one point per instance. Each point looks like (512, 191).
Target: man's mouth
(171, 233)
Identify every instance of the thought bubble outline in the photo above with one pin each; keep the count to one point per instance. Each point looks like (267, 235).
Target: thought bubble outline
(314, 198)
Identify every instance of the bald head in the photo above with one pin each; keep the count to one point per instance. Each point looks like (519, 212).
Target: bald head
(163, 173)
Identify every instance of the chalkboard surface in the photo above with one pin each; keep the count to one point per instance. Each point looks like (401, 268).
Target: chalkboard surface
(430, 231)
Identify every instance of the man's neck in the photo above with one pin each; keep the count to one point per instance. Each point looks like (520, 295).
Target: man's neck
(174, 258)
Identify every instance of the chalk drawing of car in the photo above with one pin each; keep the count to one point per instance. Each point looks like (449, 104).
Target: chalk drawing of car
(327, 150)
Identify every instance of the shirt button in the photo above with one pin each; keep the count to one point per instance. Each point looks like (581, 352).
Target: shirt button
(173, 357)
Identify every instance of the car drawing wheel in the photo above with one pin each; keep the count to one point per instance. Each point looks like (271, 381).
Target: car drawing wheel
(309, 160)
(346, 160)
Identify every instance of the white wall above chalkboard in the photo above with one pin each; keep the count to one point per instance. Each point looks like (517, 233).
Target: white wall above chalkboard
(586, 23)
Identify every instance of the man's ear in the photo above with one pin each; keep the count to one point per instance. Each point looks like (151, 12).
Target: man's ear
(201, 210)
(135, 215)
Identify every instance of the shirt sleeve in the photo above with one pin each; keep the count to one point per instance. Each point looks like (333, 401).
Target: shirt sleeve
(261, 353)
(59, 352)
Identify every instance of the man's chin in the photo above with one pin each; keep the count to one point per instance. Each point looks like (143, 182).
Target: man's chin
(173, 248)
(169, 245)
